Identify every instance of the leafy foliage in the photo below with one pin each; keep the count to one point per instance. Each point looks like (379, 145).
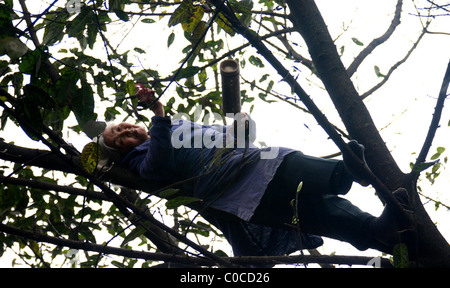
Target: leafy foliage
(81, 81)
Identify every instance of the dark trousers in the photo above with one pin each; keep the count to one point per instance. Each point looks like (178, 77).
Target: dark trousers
(320, 210)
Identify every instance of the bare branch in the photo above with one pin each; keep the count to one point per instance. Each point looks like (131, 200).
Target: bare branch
(441, 7)
(393, 68)
(435, 121)
(378, 41)
(54, 187)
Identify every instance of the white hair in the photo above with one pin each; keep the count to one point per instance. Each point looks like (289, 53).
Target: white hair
(109, 154)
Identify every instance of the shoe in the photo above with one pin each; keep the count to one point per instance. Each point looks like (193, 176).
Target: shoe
(358, 149)
(385, 229)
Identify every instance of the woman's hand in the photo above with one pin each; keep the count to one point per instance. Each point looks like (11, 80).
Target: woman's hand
(146, 96)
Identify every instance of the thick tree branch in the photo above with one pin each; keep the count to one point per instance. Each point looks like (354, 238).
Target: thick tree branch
(309, 23)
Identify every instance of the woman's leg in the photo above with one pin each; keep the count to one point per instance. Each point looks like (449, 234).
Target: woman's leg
(320, 211)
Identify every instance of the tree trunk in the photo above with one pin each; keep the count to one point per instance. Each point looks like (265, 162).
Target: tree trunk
(309, 23)
(426, 244)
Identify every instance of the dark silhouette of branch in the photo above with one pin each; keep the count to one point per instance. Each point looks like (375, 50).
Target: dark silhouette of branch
(435, 120)
(87, 246)
(285, 99)
(378, 41)
(394, 67)
(54, 187)
(50, 69)
(192, 260)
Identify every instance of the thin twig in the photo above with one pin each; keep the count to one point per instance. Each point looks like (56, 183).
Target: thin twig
(394, 67)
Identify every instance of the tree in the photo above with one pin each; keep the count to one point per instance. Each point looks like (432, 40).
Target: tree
(63, 86)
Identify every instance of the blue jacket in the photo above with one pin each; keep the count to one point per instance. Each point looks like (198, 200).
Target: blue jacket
(232, 180)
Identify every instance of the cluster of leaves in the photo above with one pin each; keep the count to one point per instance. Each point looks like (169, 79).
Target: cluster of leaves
(47, 212)
(49, 89)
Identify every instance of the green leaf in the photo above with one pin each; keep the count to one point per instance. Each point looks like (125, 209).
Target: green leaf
(198, 32)
(148, 21)
(83, 103)
(357, 42)
(28, 107)
(181, 200)
(170, 39)
(131, 87)
(263, 78)
(122, 15)
(195, 17)
(66, 87)
(118, 264)
(30, 62)
(168, 192)
(220, 253)
(180, 15)
(137, 232)
(9, 3)
(117, 7)
(139, 50)
(90, 156)
(54, 30)
(292, 203)
(377, 72)
(92, 33)
(243, 6)
(78, 24)
(438, 154)
(188, 72)
(401, 256)
(423, 166)
(223, 23)
(256, 61)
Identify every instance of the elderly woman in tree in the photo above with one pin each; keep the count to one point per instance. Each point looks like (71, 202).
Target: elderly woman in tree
(257, 203)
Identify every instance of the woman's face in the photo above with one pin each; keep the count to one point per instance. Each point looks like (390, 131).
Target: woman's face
(125, 136)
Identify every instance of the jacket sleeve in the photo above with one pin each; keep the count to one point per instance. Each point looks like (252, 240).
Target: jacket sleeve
(158, 157)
